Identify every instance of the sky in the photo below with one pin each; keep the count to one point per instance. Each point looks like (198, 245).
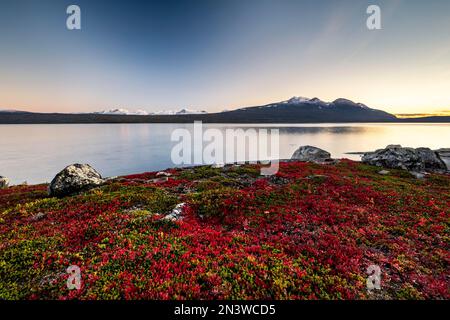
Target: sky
(223, 54)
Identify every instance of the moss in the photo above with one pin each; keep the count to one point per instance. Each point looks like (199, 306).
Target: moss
(155, 199)
(210, 203)
(201, 172)
(208, 185)
(408, 292)
(18, 273)
(251, 170)
(216, 182)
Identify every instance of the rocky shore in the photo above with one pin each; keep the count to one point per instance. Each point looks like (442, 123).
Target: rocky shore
(419, 162)
(226, 232)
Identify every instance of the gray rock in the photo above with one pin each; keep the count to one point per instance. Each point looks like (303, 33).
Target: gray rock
(114, 178)
(431, 160)
(38, 216)
(397, 157)
(394, 146)
(176, 213)
(417, 175)
(277, 180)
(383, 172)
(163, 174)
(4, 182)
(73, 179)
(447, 162)
(311, 154)
(443, 152)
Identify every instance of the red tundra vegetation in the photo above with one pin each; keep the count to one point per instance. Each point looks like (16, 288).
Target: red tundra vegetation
(309, 232)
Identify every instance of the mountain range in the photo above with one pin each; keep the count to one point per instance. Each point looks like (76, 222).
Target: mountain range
(293, 110)
(302, 109)
(141, 112)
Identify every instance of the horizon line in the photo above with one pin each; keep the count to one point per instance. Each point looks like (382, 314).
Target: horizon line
(442, 112)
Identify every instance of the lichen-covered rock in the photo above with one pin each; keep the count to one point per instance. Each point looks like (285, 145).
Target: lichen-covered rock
(431, 160)
(397, 157)
(311, 154)
(4, 182)
(73, 179)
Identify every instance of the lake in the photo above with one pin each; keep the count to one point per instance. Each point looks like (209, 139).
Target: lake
(35, 153)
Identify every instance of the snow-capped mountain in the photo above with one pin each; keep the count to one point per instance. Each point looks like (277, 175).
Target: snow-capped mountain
(317, 101)
(140, 112)
(179, 112)
(123, 112)
(293, 110)
(301, 109)
(295, 100)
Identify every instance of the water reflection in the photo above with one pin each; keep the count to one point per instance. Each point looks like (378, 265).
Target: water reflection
(34, 153)
(321, 130)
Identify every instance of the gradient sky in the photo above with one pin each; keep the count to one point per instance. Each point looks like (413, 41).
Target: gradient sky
(223, 54)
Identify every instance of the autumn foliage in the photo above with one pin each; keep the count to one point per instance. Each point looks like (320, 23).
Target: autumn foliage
(310, 232)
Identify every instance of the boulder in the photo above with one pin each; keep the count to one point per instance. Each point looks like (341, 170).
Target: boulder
(431, 160)
(311, 154)
(4, 182)
(397, 157)
(444, 154)
(73, 179)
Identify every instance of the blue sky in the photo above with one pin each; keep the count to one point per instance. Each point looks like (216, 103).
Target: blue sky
(223, 54)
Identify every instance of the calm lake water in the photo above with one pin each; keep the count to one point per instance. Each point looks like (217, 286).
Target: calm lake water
(35, 153)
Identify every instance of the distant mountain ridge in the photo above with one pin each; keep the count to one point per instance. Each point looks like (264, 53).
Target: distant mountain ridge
(293, 110)
(12, 111)
(140, 112)
(179, 112)
(315, 110)
(122, 112)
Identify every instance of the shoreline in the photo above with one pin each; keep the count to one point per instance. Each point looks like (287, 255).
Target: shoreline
(232, 117)
(445, 159)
